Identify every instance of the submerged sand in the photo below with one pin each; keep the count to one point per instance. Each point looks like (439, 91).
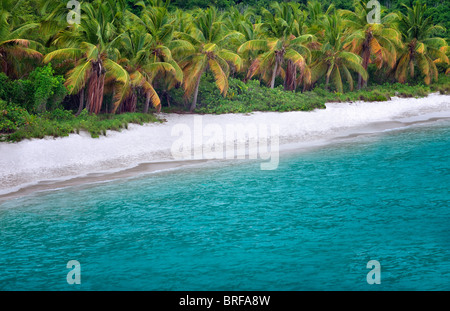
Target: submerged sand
(41, 164)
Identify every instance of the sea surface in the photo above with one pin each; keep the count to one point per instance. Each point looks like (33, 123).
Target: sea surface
(312, 224)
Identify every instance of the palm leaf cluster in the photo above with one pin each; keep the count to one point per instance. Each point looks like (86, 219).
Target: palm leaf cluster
(113, 52)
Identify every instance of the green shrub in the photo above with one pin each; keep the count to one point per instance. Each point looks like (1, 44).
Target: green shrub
(12, 117)
(17, 124)
(59, 114)
(49, 90)
(374, 96)
(247, 97)
(3, 86)
(40, 92)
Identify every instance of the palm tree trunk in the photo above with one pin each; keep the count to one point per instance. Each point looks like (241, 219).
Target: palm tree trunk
(95, 88)
(365, 58)
(274, 75)
(290, 83)
(81, 106)
(279, 55)
(129, 104)
(147, 103)
(133, 102)
(194, 101)
(359, 81)
(168, 98)
(365, 63)
(100, 88)
(90, 105)
(327, 81)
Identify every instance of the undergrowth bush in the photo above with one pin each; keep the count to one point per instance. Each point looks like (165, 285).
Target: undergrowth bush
(19, 124)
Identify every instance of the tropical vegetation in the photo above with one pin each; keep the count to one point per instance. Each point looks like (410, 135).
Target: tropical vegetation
(126, 59)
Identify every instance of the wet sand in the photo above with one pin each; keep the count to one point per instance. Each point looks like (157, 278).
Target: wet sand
(93, 178)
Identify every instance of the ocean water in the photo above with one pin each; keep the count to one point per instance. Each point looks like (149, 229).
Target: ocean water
(312, 224)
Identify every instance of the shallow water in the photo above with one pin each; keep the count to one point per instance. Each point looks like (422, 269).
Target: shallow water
(312, 224)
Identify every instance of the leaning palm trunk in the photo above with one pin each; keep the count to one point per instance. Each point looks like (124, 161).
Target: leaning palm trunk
(278, 60)
(327, 81)
(194, 101)
(147, 105)
(274, 75)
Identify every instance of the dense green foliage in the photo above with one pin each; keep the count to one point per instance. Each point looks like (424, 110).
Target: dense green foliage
(17, 124)
(42, 90)
(251, 96)
(439, 10)
(214, 56)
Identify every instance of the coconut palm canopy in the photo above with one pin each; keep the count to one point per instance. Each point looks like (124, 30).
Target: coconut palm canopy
(140, 53)
(15, 46)
(421, 47)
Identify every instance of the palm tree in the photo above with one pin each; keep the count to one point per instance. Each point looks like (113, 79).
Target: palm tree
(243, 22)
(446, 50)
(377, 43)
(164, 48)
(332, 60)
(421, 48)
(90, 46)
(146, 47)
(249, 24)
(316, 13)
(286, 42)
(134, 46)
(208, 36)
(183, 20)
(13, 47)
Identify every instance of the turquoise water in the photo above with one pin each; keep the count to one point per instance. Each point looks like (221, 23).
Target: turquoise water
(313, 224)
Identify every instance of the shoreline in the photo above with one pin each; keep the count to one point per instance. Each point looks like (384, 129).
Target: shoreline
(46, 164)
(97, 177)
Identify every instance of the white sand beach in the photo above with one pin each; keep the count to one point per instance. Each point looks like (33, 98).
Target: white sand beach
(44, 163)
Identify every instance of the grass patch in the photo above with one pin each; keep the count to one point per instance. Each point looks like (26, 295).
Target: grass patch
(60, 123)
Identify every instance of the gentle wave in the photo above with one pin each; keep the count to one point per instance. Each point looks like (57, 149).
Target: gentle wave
(312, 224)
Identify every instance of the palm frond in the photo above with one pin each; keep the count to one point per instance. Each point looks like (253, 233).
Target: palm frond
(69, 53)
(219, 76)
(159, 67)
(296, 58)
(253, 45)
(231, 57)
(192, 73)
(337, 79)
(78, 77)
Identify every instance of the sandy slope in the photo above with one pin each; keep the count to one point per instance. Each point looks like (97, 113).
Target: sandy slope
(32, 161)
